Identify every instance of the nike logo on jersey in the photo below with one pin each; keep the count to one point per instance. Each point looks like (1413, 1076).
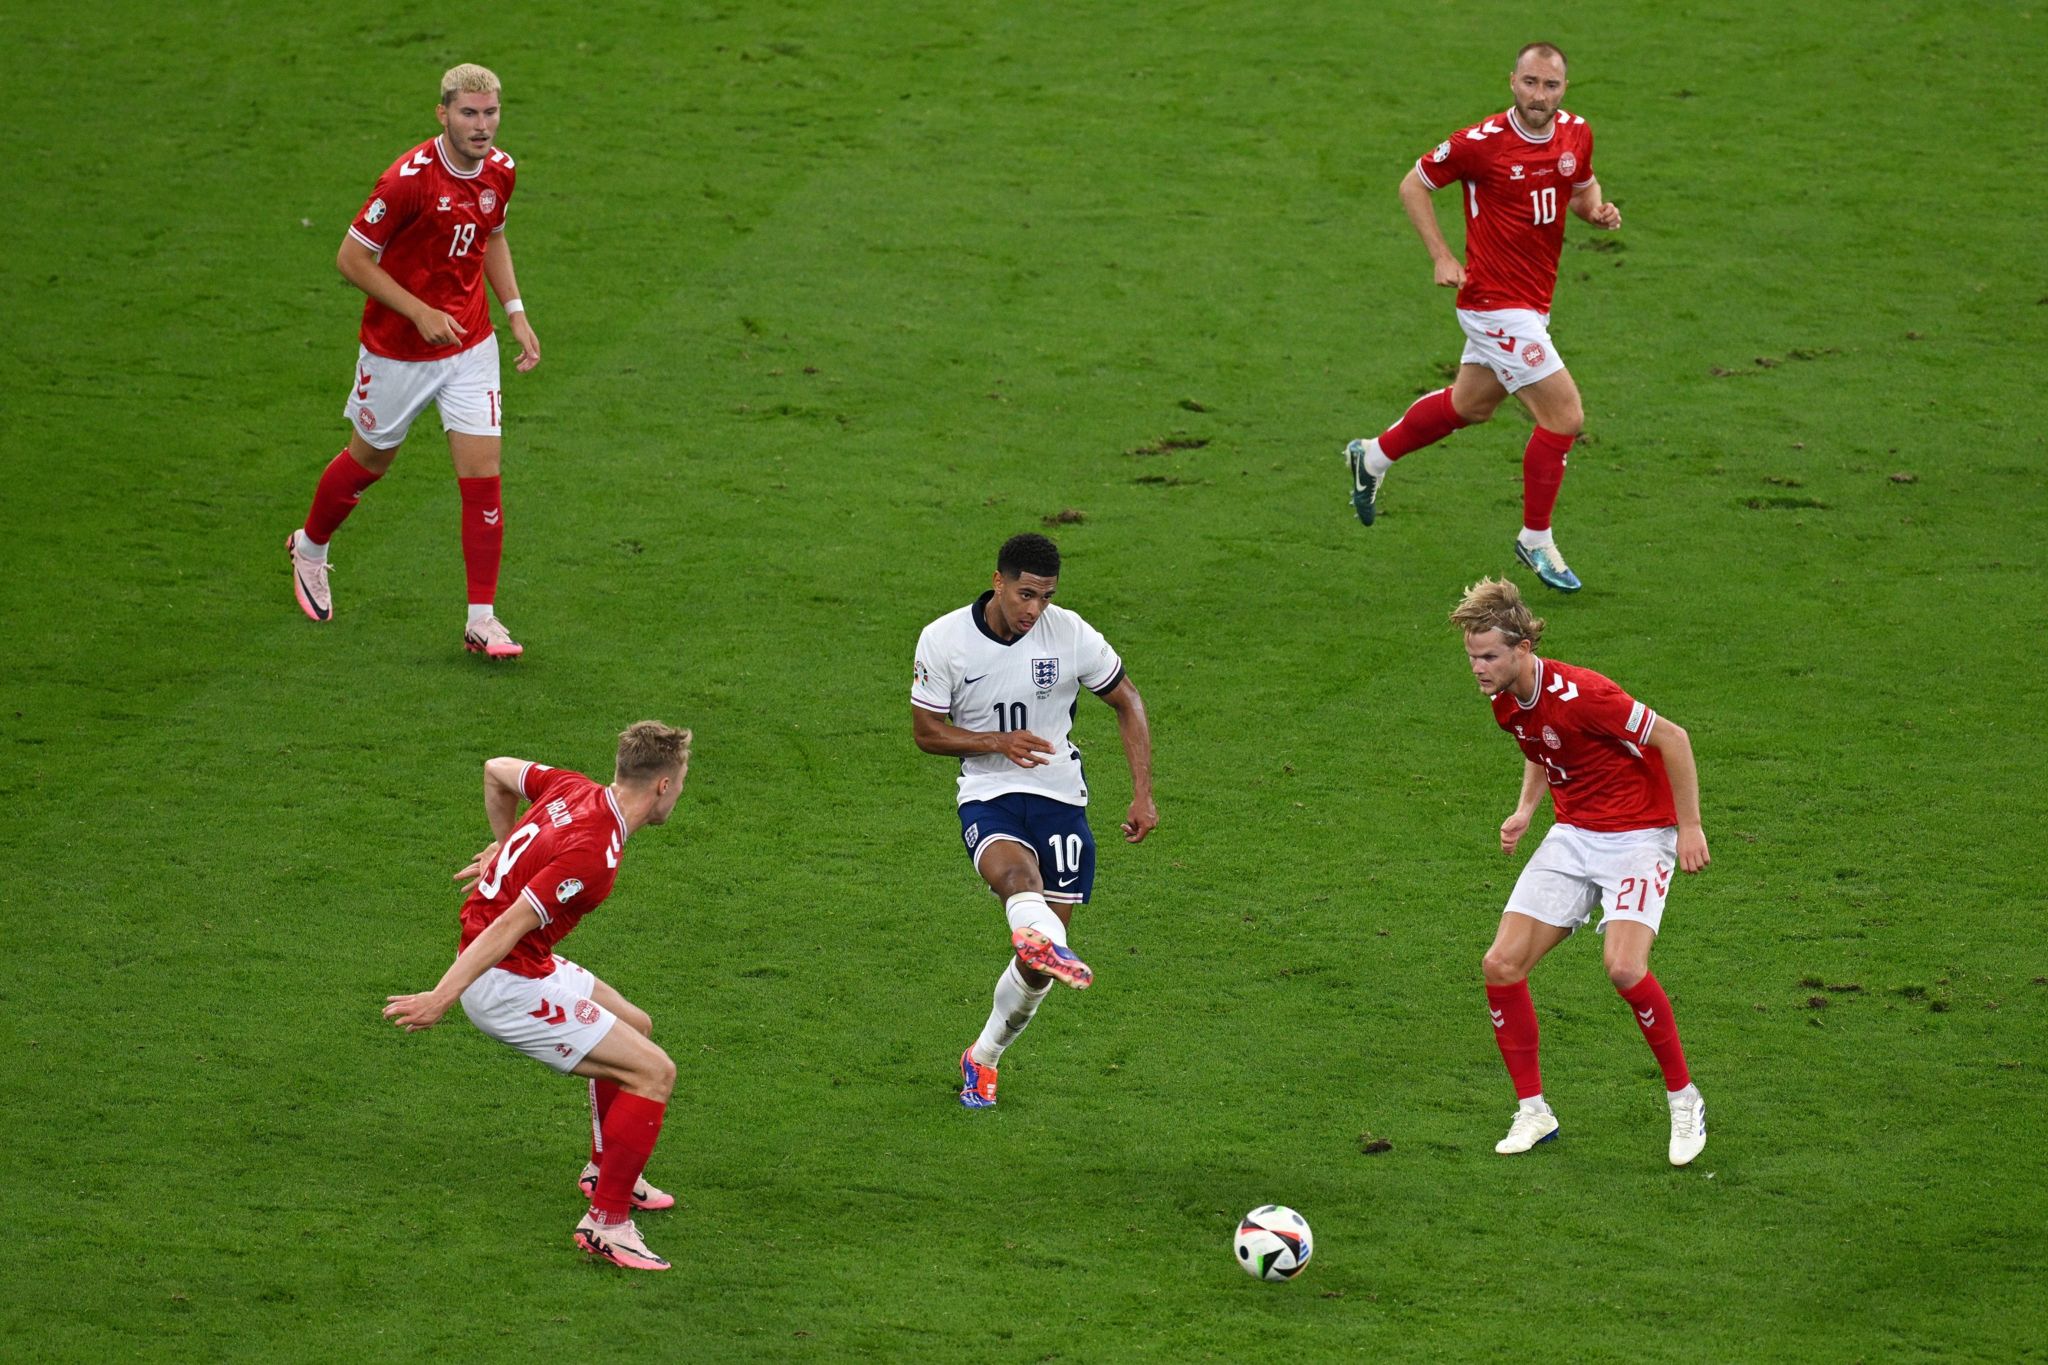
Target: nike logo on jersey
(1500, 1018)
(969, 682)
(420, 161)
(1066, 882)
(1502, 339)
(1648, 1017)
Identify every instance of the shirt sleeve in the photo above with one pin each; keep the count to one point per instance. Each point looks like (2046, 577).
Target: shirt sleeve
(1451, 159)
(392, 205)
(1100, 670)
(569, 887)
(1585, 168)
(931, 675)
(1604, 709)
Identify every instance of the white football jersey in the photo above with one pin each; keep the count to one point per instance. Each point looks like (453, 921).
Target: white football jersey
(1030, 683)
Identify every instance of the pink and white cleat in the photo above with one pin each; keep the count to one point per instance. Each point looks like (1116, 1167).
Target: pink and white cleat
(645, 1197)
(1041, 954)
(309, 580)
(487, 636)
(619, 1243)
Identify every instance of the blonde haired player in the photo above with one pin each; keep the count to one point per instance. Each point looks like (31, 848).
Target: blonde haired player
(543, 871)
(1626, 794)
(431, 233)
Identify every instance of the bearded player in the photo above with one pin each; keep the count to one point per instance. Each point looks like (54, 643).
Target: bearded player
(432, 232)
(546, 868)
(1517, 169)
(1626, 794)
(995, 684)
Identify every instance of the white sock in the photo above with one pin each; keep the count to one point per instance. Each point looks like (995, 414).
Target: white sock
(1376, 463)
(1535, 539)
(1028, 908)
(479, 610)
(596, 1127)
(1015, 1003)
(310, 551)
(1535, 1105)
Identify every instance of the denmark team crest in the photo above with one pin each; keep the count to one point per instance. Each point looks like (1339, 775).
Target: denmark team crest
(1044, 673)
(487, 201)
(1566, 163)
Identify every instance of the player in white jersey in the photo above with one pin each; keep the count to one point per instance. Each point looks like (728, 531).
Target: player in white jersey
(995, 685)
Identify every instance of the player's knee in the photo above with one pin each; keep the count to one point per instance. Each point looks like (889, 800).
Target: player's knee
(1473, 411)
(661, 1076)
(1625, 975)
(1500, 969)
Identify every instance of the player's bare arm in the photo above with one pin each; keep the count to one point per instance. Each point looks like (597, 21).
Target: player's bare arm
(415, 1012)
(1534, 784)
(937, 735)
(505, 284)
(1587, 204)
(1136, 732)
(1421, 211)
(1670, 739)
(358, 265)
(502, 799)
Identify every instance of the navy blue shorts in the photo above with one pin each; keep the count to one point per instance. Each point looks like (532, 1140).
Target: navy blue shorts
(1053, 830)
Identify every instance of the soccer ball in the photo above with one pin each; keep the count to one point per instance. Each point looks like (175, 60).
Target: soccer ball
(1273, 1243)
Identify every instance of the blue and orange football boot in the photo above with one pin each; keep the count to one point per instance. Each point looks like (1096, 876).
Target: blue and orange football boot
(977, 1082)
(1041, 954)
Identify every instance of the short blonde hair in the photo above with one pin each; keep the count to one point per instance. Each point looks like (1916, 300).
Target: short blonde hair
(649, 750)
(469, 78)
(1496, 604)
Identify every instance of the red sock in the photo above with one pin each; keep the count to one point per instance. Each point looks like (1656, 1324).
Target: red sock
(1542, 475)
(483, 537)
(602, 1093)
(341, 487)
(1428, 420)
(1653, 1014)
(630, 1130)
(1514, 1028)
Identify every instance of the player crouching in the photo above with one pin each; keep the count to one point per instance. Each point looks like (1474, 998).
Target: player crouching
(546, 868)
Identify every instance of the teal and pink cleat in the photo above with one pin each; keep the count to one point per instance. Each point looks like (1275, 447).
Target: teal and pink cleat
(1041, 954)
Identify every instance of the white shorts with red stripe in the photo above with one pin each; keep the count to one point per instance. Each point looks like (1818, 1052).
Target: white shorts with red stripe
(1627, 873)
(551, 1019)
(389, 394)
(1512, 342)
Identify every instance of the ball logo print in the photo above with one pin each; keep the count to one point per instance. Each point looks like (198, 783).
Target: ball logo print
(1442, 152)
(1273, 1242)
(375, 213)
(569, 887)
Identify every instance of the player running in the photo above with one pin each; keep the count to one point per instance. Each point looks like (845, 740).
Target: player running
(543, 871)
(1008, 670)
(1518, 169)
(432, 232)
(1626, 794)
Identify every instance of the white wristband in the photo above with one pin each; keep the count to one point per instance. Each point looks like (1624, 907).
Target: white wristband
(515, 306)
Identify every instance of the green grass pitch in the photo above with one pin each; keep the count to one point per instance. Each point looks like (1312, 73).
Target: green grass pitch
(833, 298)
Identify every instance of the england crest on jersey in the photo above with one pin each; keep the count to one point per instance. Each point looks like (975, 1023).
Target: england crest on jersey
(1044, 673)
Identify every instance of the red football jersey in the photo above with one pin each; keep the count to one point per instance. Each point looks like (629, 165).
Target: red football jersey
(561, 859)
(1517, 189)
(430, 227)
(1592, 739)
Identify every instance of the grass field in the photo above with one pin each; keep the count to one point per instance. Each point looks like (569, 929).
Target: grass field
(832, 300)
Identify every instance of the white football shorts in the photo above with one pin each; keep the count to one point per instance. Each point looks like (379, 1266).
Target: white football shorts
(1512, 342)
(551, 1019)
(1626, 873)
(388, 394)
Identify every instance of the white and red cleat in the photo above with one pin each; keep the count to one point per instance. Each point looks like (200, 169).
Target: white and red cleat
(619, 1243)
(645, 1197)
(309, 580)
(487, 636)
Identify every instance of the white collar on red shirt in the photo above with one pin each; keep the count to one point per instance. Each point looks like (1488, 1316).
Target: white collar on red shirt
(441, 150)
(1534, 696)
(612, 800)
(1526, 135)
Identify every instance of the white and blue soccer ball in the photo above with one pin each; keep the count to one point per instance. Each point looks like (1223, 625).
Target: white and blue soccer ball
(1273, 1242)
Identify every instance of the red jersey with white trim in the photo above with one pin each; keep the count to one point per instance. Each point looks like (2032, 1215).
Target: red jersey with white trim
(1592, 739)
(430, 226)
(1517, 188)
(561, 858)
